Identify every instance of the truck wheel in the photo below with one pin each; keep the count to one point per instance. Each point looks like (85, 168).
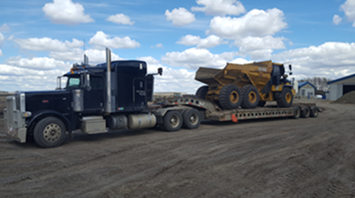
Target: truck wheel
(49, 132)
(202, 92)
(230, 97)
(261, 103)
(250, 97)
(172, 121)
(192, 119)
(305, 112)
(296, 112)
(314, 112)
(286, 98)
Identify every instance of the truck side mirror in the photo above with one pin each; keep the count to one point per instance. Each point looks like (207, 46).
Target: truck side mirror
(160, 71)
(290, 67)
(85, 79)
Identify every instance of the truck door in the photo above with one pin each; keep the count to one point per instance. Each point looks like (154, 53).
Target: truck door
(139, 93)
(94, 97)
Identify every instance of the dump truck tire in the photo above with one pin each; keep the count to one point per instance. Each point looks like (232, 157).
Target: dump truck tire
(261, 103)
(230, 97)
(172, 121)
(191, 118)
(49, 132)
(286, 98)
(202, 92)
(250, 97)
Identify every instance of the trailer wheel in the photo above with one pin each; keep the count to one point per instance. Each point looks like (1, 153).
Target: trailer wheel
(49, 132)
(172, 121)
(191, 118)
(230, 97)
(261, 103)
(314, 112)
(250, 97)
(297, 112)
(202, 92)
(305, 112)
(286, 98)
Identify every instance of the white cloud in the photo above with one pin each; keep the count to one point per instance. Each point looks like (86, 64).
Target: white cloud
(220, 7)
(259, 48)
(37, 63)
(76, 55)
(179, 80)
(210, 41)
(349, 9)
(194, 58)
(4, 28)
(331, 60)
(180, 17)
(47, 44)
(159, 45)
(120, 19)
(102, 40)
(1, 54)
(257, 23)
(337, 19)
(66, 12)
(2, 38)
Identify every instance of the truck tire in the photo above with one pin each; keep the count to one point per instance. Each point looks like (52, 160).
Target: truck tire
(286, 98)
(191, 118)
(305, 112)
(172, 121)
(250, 97)
(49, 132)
(202, 92)
(230, 97)
(314, 112)
(296, 112)
(261, 103)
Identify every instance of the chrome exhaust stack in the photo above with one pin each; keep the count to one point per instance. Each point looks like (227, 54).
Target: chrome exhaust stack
(108, 82)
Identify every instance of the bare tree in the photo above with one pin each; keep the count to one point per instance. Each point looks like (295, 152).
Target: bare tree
(319, 82)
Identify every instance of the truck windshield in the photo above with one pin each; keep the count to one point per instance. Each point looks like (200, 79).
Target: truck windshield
(73, 82)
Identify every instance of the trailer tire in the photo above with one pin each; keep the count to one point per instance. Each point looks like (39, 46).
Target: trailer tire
(230, 97)
(314, 112)
(202, 92)
(305, 112)
(261, 103)
(172, 121)
(250, 97)
(49, 132)
(191, 118)
(297, 112)
(286, 98)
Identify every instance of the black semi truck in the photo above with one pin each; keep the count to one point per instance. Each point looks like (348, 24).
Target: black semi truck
(112, 96)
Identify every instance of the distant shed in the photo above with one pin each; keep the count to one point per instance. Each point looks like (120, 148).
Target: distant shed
(341, 86)
(306, 90)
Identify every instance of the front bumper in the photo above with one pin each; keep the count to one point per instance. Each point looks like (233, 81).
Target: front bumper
(14, 118)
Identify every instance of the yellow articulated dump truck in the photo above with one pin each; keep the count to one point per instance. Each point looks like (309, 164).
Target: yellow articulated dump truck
(246, 85)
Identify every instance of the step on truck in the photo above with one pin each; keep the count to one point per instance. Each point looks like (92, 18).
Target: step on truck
(113, 96)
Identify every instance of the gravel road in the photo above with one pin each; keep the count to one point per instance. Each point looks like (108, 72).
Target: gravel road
(311, 157)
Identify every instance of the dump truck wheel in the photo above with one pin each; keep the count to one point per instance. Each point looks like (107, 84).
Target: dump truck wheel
(172, 121)
(191, 118)
(230, 97)
(305, 112)
(314, 112)
(286, 98)
(202, 92)
(250, 97)
(261, 103)
(49, 132)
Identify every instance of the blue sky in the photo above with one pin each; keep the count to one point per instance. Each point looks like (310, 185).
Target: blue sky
(41, 39)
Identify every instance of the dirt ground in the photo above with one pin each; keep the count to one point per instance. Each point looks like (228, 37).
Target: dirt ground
(311, 157)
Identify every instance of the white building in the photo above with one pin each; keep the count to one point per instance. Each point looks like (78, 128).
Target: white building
(341, 86)
(306, 90)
